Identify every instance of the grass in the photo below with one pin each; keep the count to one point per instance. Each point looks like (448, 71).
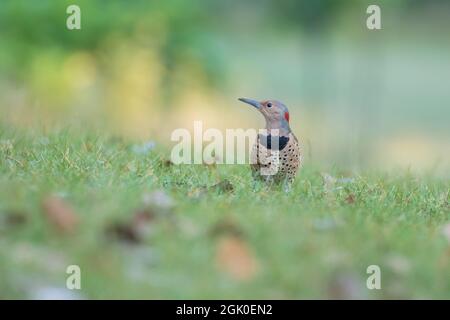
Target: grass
(315, 242)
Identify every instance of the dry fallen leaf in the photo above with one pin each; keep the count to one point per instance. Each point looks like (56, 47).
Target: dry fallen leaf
(60, 214)
(125, 232)
(350, 198)
(234, 257)
(143, 216)
(134, 230)
(12, 218)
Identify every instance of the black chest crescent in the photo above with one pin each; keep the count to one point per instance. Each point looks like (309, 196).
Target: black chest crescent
(273, 142)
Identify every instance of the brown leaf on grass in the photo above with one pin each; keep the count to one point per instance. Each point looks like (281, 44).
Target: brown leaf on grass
(132, 231)
(60, 214)
(234, 257)
(13, 218)
(124, 232)
(143, 220)
(143, 216)
(350, 198)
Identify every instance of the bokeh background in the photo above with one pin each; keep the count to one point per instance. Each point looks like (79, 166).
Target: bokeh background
(140, 69)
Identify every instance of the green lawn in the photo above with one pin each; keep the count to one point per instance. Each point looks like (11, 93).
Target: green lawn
(190, 240)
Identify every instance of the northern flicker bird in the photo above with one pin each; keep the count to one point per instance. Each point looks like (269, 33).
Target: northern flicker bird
(276, 155)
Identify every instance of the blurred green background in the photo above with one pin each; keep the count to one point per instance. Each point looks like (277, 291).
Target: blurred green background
(358, 98)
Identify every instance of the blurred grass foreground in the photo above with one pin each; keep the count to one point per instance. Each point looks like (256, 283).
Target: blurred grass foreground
(85, 123)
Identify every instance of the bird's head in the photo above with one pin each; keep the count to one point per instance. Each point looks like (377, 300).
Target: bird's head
(275, 113)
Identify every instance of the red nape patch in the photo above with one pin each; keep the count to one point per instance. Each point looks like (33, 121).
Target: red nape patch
(286, 116)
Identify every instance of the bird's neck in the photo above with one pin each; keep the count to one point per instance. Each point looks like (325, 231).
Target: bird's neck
(282, 126)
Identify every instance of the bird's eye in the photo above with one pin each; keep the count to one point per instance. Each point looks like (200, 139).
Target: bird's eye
(269, 105)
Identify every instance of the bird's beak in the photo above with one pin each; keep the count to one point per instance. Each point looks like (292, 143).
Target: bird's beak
(252, 102)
